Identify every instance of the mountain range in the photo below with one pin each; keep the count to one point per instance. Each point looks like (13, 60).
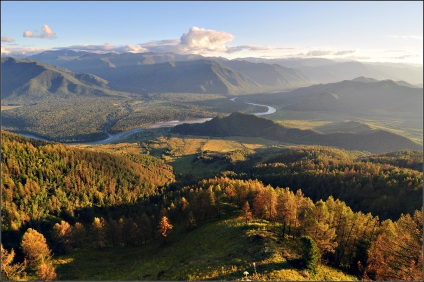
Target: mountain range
(320, 70)
(238, 124)
(177, 73)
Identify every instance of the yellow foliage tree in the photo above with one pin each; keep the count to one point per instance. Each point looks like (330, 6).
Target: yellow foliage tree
(165, 227)
(10, 271)
(35, 247)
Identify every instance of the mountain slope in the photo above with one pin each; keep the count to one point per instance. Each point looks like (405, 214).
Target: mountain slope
(28, 80)
(238, 124)
(272, 76)
(359, 96)
(198, 76)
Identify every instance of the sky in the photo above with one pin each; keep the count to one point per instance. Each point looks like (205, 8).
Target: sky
(364, 31)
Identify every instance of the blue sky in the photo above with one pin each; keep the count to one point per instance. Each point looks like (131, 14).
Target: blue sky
(364, 31)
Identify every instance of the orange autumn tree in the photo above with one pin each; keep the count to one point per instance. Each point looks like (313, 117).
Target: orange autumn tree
(38, 254)
(397, 252)
(247, 214)
(165, 227)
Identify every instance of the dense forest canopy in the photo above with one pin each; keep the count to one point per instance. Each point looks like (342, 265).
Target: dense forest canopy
(73, 199)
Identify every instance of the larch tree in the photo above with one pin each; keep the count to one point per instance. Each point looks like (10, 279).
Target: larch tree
(247, 214)
(35, 247)
(165, 227)
(397, 252)
(98, 232)
(9, 270)
(62, 234)
(46, 272)
(79, 235)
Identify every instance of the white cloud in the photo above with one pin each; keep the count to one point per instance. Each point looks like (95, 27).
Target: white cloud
(413, 37)
(46, 33)
(206, 39)
(318, 53)
(20, 51)
(7, 39)
(4, 50)
(343, 52)
(233, 49)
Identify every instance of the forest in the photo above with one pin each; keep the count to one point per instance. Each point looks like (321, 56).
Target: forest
(59, 200)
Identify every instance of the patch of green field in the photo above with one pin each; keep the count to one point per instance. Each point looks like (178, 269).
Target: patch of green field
(220, 250)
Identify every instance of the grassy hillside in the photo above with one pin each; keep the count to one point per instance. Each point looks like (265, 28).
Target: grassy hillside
(220, 250)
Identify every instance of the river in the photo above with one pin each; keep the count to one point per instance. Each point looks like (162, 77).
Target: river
(125, 134)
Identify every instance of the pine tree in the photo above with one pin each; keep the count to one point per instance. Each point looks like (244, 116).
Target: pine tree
(310, 253)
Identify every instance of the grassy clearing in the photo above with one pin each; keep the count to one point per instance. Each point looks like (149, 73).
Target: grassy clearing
(220, 250)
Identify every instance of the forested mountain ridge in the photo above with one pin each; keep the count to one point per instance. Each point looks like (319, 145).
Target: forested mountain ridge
(238, 124)
(41, 179)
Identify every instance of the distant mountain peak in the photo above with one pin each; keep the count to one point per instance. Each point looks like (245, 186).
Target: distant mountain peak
(365, 79)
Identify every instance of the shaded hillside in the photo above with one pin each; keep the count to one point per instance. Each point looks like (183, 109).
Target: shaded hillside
(27, 80)
(272, 76)
(357, 97)
(198, 76)
(238, 124)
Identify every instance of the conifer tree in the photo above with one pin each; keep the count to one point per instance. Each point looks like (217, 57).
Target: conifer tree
(310, 253)
(165, 227)
(10, 270)
(35, 247)
(247, 214)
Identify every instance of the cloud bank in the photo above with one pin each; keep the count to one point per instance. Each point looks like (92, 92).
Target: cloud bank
(7, 39)
(413, 37)
(46, 33)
